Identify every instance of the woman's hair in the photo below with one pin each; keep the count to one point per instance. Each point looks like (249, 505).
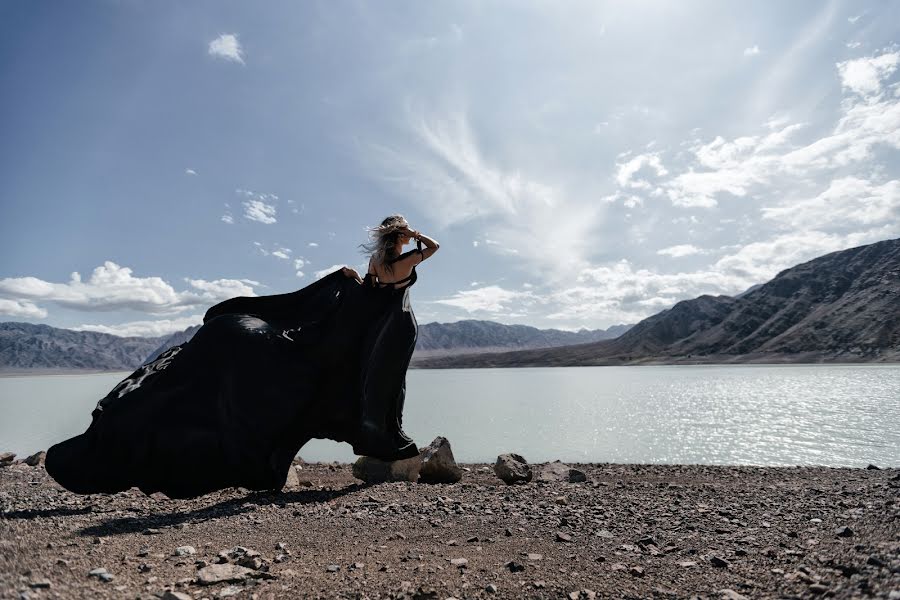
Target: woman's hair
(382, 245)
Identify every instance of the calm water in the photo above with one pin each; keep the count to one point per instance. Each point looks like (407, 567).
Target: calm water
(763, 415)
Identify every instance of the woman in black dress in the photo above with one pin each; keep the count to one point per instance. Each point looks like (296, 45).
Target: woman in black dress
(260, 378)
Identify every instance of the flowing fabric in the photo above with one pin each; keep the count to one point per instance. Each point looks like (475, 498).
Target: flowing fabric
(234, 405)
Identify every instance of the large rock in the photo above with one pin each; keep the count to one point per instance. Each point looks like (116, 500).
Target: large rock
(438, 464)
(6, 458)
(512, 468)
(433, 464)
(293, 480)
(558, 472)
(221, 573)
(374, 470)
(35, 459)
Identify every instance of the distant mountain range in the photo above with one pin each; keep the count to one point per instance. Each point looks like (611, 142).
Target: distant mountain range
(843, 307)
(26, 347)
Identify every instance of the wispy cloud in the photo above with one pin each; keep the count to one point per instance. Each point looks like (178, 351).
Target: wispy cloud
(259, 211)
(22, 309)
(751, 51)
(680, 250)
(227, 47)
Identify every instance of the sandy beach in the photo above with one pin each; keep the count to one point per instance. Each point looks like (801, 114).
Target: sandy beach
(629, 531)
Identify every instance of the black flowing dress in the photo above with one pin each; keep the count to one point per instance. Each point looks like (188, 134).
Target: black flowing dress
(234, 405)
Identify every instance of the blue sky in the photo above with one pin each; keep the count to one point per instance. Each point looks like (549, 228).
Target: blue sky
(582, 163)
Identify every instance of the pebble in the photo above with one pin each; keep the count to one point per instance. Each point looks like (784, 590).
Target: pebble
(563, 537)
(185, 551)
(490, 588)
(636, 571)
(40, 584)
(333, 568)
(843, 531)
(514, 567)
(718, 561)
(534, 556)
(461, 563)
(170, 595)
(220, 573)
(729, 594)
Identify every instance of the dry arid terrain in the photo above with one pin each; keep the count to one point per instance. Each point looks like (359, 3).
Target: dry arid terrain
(629, 531)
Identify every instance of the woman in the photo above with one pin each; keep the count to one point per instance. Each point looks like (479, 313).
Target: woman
(260, 378)
(390, 342)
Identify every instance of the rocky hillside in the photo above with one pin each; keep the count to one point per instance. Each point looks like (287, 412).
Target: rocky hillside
(844, 306)
(488, 335)
(174, 339)
(25, 346)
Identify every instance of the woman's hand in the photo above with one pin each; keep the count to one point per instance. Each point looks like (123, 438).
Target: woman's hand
(410, 232)
(348, 272)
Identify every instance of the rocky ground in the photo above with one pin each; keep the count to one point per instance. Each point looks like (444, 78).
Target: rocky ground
(629, 531)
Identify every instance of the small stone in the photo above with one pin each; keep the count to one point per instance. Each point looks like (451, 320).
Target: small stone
(220, 573)
(7, 458)
(874, 561)
(717, 561)
(563, 537)
(333, 568)
(357, 566)
(604, 533)
(843, 531)
(185, 551)
(144, 551)
(281, 546)
(729, 594)
(106, 577)
(145, 568)
(534, 556)
(460, 563)
(40, 584)
(170, 595)
(512, 468)
(636, 571)
(490, 588)
(872, 467)
(35, 459)
(561, 500)
(151, 531)
(558, 472)
(818, 588)
(687, 563)
(514, 567)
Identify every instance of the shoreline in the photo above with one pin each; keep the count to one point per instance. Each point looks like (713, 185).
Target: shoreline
(632, 530)
(54, 372)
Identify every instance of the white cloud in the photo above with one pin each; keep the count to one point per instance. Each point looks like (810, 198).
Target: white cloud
(865, 75)
(226, 46)
(299, 263)
(490, 299)
(313, 245)
(680, 250)
(282, 253)
(190, 172)
(21, 308)
(301, 274)
(751, 51)
(853, 19)
(849, 202)
(112, 287)
(257, 210)
(155, 328)
(625, 174)
(445, 164)
(227, 218)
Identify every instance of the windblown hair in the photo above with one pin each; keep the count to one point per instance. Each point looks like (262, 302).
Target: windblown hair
(382, 245)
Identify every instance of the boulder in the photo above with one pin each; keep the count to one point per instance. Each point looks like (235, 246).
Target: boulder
(433, 464)
(293, 480)
(374, 470)
(7, 458)
(512, 468)
(438, 464)
(558, 472)
(35, 459)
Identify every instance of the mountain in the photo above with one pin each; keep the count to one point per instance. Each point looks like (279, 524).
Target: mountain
(25, 346)
(842, 307)
(468, 335)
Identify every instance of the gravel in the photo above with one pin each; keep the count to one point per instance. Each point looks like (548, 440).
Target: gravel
(636, 531)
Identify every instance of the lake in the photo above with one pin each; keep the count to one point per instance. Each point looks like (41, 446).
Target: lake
(844, 415)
